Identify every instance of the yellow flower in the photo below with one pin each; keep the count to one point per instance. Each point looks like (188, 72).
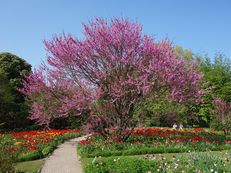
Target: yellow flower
(17, 143)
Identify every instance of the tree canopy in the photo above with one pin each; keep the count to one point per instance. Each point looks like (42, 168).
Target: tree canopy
(13, 111)
(107, 74)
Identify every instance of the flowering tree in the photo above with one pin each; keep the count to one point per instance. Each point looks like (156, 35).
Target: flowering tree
(222, 115)
(52, 97)
(107, 74)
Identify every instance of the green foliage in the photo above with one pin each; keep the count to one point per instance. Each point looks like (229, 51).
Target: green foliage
(184, 53)
(138, 150)
(218, 74)
(6, 162)
(165, 113)
(5, 90)
(191, 163)
(217, 78)
(161, 113)
(161, 148)
(218, 125)
(14, 67)
(206, 162)
(70, 122)
(30, 156)
(29, 166)
(122, 165)
(14, 109)
(47, 150)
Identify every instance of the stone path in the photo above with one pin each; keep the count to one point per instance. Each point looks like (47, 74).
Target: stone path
(64, 159)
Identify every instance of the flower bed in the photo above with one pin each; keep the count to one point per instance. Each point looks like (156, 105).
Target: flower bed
(192, 163)
(30, 145)
(155, 140)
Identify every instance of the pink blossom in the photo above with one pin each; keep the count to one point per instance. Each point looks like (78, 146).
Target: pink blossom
(114, 64)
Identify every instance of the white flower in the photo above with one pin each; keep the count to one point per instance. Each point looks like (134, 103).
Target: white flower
(211, 170)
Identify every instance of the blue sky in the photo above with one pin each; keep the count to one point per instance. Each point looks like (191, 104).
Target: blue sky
(204, 26)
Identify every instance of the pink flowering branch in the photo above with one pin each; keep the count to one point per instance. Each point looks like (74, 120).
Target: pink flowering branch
(108, 73)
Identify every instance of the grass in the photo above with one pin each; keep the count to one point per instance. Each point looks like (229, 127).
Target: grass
(205, 161)
(159, 156)
(30, 166)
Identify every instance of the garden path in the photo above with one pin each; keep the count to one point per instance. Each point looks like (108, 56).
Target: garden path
(64, 159)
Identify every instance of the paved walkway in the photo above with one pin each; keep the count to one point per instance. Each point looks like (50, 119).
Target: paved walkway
(64, 159)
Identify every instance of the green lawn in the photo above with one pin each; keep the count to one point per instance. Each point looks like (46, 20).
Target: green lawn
(30, 166)
(159, 156)
(205, 161)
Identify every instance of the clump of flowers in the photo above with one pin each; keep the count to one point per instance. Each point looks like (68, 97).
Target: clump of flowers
(21, 143)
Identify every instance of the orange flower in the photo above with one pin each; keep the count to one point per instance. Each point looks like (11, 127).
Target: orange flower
(17, 143)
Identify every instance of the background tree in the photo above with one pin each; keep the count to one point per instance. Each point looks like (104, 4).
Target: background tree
(14, 110)
(107, 74)
(187, 54)
(161, 113)
(218, 74)
(217, 79)
(222, 115)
